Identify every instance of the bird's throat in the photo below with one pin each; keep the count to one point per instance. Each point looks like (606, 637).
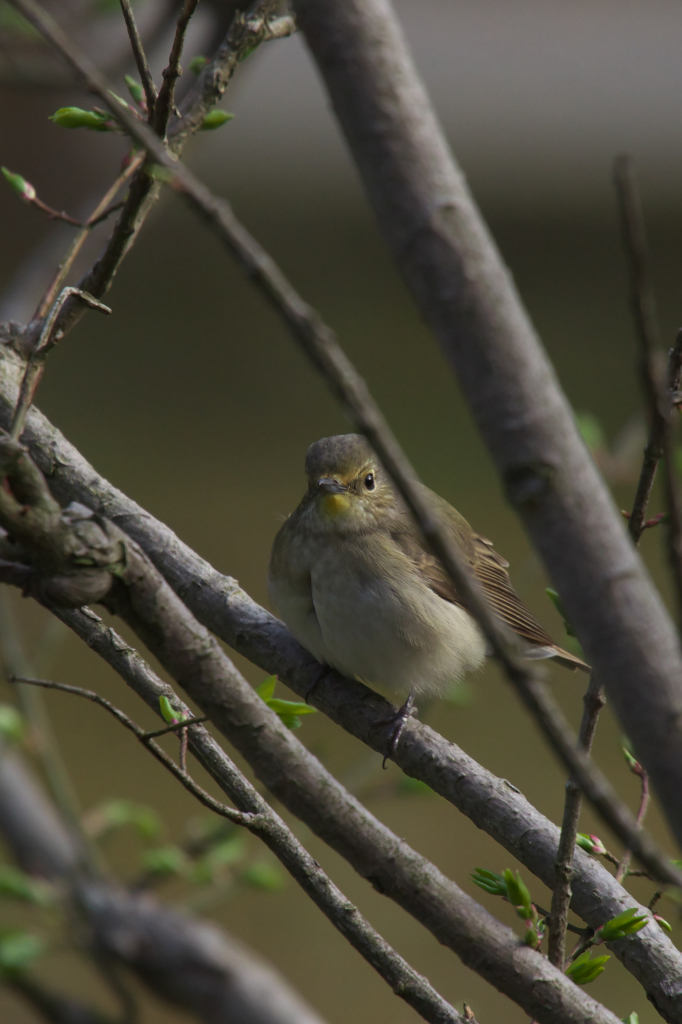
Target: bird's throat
(335, 505)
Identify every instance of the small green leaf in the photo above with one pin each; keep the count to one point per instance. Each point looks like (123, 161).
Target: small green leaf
(414, 787)
(556, 601)
(665, 925)
(18, 949)
(289, 707)
(165, 860)
(17, 885)
(12, 726)
(262, 875)
(20, 185)
(228, 852)
(592, 844)
(117, 813)
(490, 881)
(215, 119)
(627, 923)
(168, 712)
(267, 688)
(197, 64)
(136, 91)
(591, 431)
(531, 938)
(632, 1018)
(74, 117)
(583, 970)
(291, 721)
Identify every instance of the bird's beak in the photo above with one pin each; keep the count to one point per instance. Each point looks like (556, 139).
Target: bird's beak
(330, 485)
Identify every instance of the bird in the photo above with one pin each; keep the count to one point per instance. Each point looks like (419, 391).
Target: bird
(355, 583)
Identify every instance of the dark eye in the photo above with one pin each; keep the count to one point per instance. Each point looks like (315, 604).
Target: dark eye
(370, 482)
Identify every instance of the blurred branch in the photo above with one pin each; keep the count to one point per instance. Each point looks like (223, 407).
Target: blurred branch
(320, 345)
(139, 56)
(186, 962)
(594, 700)
(55, 1008)
(258, 817)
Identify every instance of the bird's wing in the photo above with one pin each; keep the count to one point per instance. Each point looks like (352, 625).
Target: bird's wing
(490, 569)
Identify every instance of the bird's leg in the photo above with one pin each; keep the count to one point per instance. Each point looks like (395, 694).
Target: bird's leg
(319, 672)
(398, 721)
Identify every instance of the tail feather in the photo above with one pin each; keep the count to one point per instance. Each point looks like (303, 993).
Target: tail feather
(564, 658)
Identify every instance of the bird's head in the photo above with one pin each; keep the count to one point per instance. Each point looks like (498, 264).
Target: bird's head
(347, 485)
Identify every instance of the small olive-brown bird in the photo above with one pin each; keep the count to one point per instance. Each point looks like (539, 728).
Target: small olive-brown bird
(352, 579)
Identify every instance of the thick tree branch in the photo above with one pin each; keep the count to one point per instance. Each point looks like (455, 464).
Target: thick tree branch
(492, 804)
(466, 294)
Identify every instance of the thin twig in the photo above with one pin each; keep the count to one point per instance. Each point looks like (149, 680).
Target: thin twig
(148, 741)
(259, 818)
(321, 347)
(594, 700)
(102, 210)
(165, 99)
(36, 360)
(624, 864)
(140, 57)
(658, 403)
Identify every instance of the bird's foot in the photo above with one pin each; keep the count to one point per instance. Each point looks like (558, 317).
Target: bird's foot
(398, 721)
(319, 672)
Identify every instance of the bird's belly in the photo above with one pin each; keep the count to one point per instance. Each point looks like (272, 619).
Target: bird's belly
(399, 636)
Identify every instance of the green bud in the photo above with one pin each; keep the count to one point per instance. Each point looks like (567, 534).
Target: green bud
(20, 185)
(632, 1018)
(556, 601)
(531, 938)
(663, 923)
(12, 726)
(266, 689)
(583, 970)
(627, 923)
(168, 712)
(117, 813)
(197, 65)
(633, 763)
(136, 91)
(214, 119)
(74, 117)
(517, 894)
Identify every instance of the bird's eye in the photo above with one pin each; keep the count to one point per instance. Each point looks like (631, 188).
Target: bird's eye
(370, 482)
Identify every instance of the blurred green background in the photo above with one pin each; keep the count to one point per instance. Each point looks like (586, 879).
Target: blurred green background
(193, 399)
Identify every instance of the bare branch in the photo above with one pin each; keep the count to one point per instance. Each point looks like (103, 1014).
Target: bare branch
(36, 360)
(165, 100)
(140, 57)
(594, 701)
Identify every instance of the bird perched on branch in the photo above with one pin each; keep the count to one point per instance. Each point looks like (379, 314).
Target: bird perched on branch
(353, 580)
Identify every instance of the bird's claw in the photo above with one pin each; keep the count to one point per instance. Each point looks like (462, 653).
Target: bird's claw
(398, 721)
